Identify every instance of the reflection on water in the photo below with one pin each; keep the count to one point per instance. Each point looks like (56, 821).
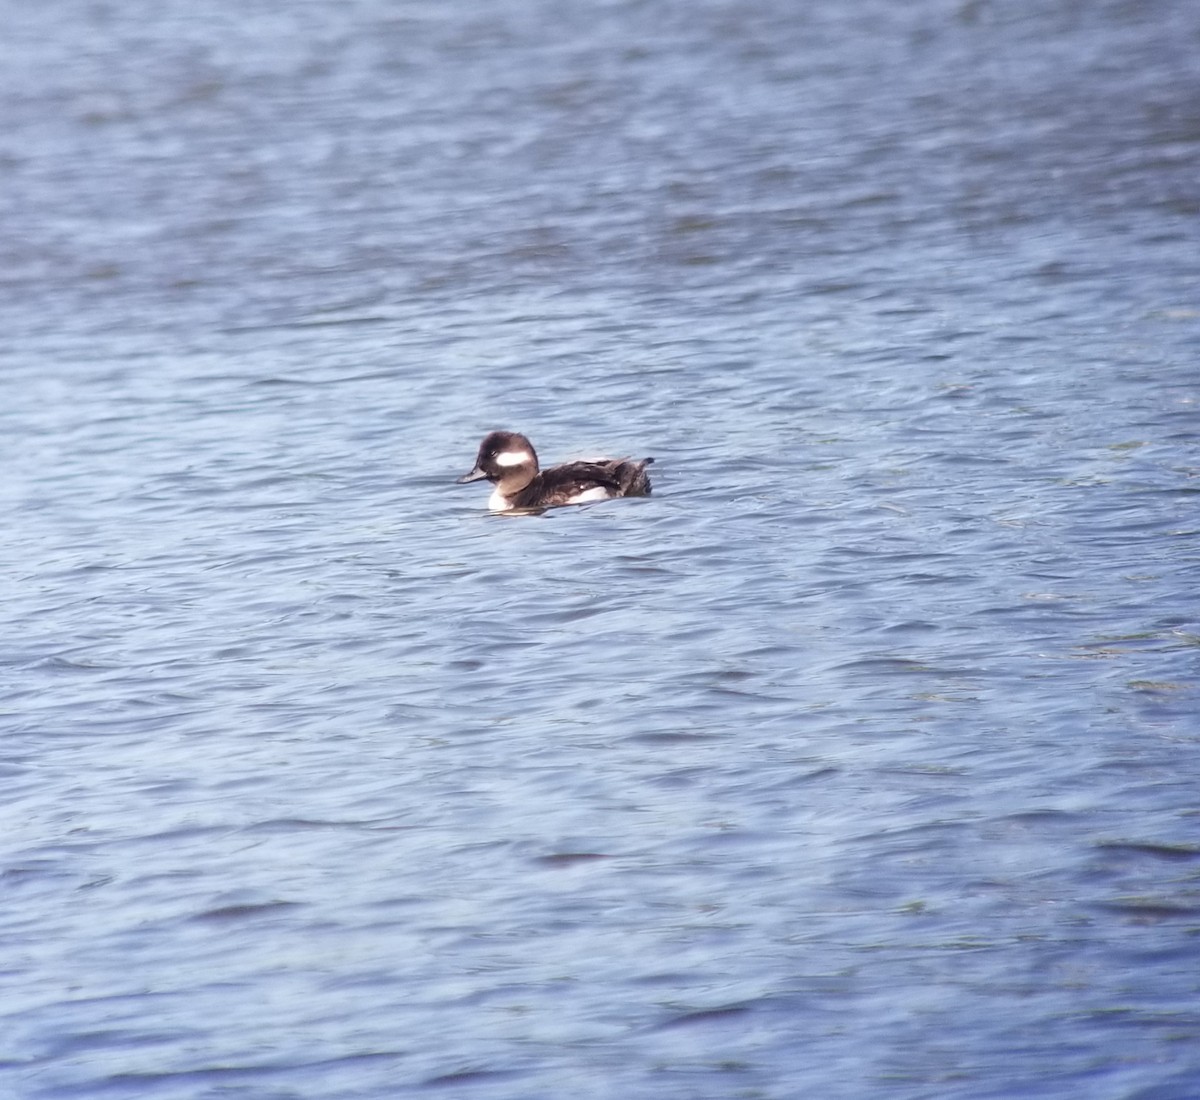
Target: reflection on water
(856, 761)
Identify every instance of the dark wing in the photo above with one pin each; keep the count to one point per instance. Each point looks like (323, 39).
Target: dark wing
(584, 475)
(560, 483)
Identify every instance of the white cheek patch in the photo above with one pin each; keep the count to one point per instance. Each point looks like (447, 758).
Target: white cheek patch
(512, 458)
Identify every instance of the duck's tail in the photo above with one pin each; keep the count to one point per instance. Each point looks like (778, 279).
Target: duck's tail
(633, 477)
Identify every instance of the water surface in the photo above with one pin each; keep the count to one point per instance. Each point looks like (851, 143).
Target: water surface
(859, 760)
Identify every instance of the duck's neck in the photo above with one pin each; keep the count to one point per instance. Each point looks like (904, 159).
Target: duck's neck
(509, 486)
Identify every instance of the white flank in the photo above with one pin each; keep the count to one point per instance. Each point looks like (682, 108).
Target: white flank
(596, 493)
(498, 502)
(513, 458)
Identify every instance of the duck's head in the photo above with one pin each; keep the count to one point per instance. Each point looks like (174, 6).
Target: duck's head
(504, 457)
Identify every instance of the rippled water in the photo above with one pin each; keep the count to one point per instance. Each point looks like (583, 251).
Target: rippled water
(859, 760)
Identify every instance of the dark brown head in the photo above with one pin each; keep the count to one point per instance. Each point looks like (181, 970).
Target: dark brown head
(506, 457)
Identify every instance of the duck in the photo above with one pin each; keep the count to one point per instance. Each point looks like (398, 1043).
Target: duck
(508, 460)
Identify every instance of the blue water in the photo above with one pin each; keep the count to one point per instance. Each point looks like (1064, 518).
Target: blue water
(857, 761)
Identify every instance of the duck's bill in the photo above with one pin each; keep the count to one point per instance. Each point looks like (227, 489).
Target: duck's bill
(475, 475)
